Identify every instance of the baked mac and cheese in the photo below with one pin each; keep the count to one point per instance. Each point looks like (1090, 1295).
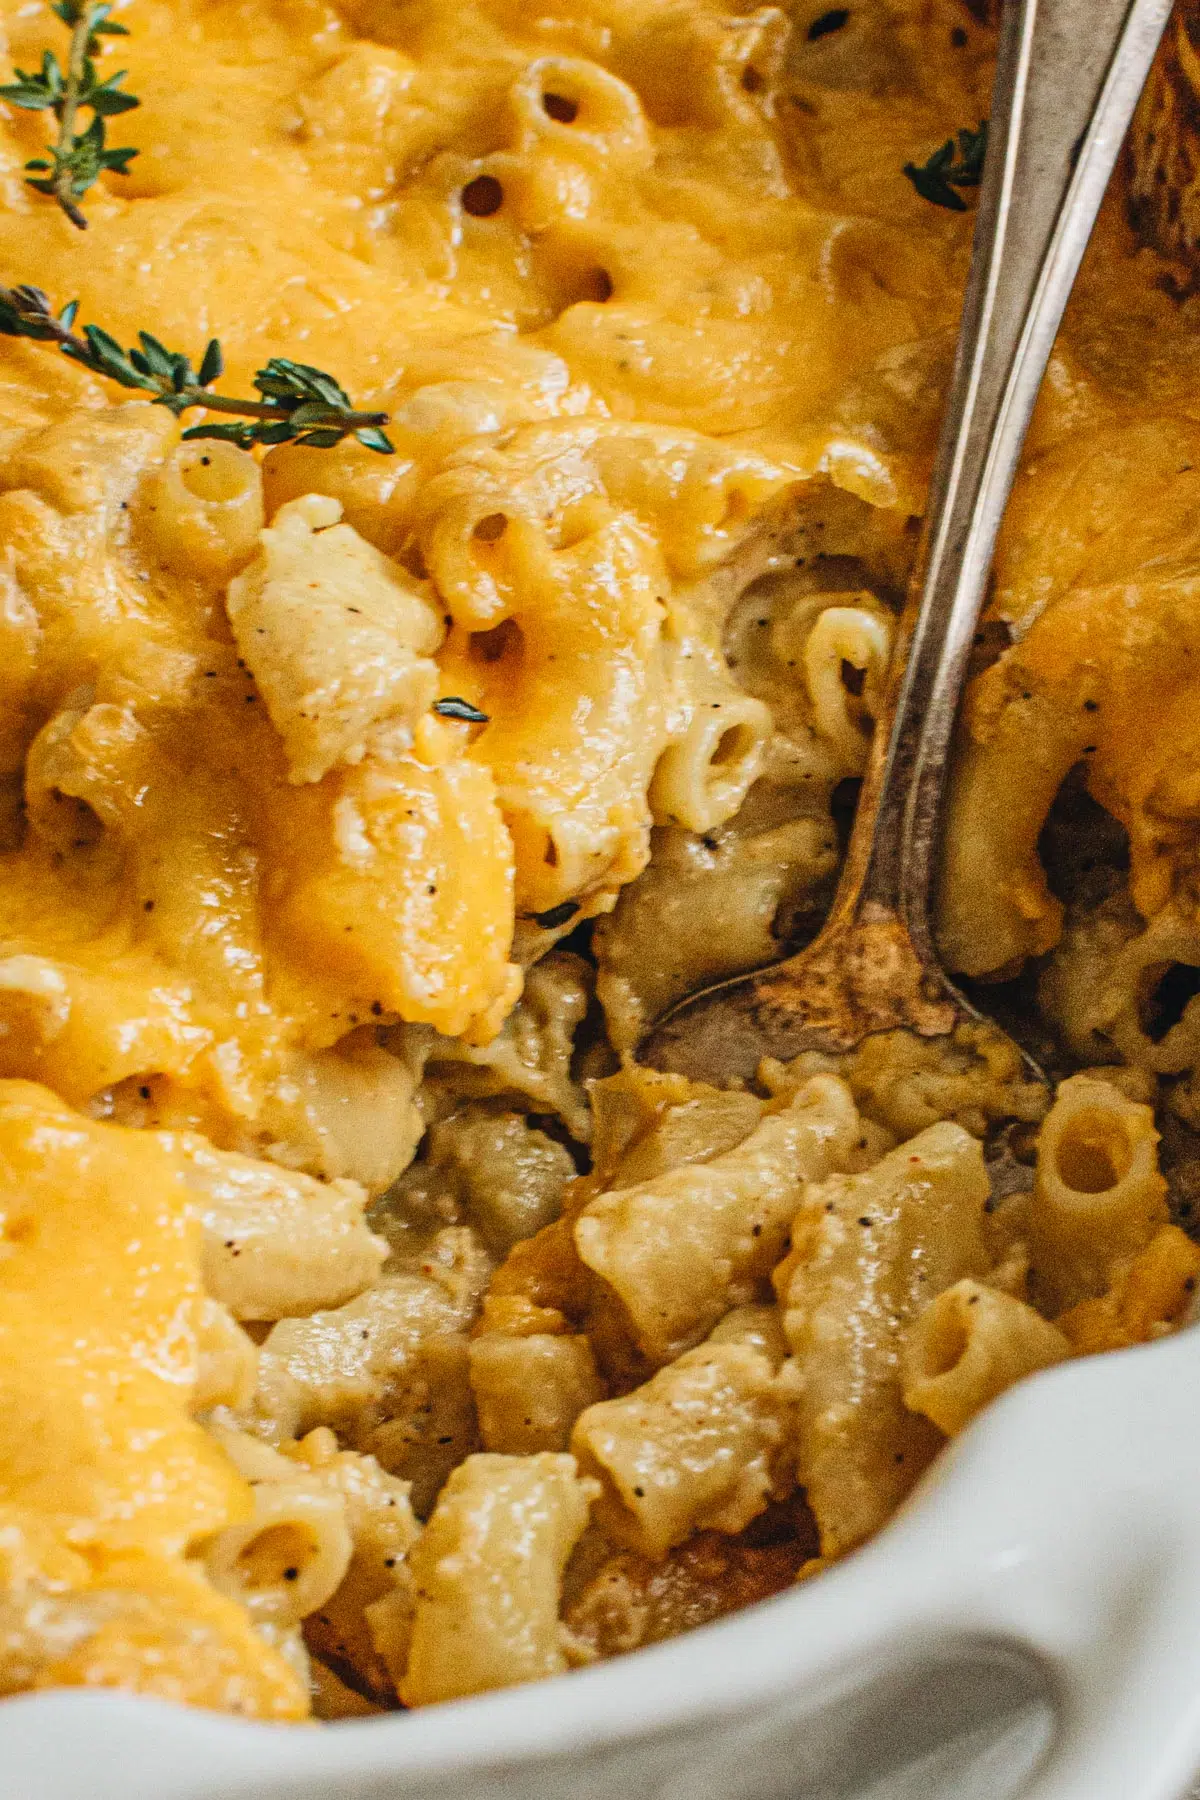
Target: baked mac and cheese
(374, 1328)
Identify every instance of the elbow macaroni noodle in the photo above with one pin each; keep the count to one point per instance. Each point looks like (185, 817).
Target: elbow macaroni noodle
(967, 1346)
(386, 1332)
(206, 510)
(487, 1571)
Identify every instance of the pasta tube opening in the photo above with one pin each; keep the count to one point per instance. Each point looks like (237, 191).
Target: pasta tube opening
(701, 781)
(968, 1346)
(1098, 1195)
(1093, 1153)
(575, 105)
(206, 509)
(288, 1558)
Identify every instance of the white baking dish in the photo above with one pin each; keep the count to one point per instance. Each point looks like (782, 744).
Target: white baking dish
(1053, 1555)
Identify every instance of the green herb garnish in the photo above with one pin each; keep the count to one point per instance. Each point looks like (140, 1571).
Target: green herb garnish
(454, 708)
(73, 164)
(298, 404)
(958, 164)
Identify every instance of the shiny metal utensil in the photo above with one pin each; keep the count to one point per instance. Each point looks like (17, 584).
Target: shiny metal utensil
(1069, 75)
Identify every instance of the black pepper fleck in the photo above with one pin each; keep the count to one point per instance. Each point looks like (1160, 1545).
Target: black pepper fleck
(828, 22)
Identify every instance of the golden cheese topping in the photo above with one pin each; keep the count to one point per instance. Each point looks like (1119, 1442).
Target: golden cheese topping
(522, 235)
(106, 1482)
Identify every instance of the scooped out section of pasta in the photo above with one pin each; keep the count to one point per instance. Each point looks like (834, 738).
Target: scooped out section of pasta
(374, 1329)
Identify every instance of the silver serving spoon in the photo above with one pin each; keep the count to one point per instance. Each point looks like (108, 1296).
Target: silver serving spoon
(1069, 75)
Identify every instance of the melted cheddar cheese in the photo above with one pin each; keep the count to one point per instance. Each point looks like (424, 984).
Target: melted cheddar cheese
(106, 1481)
(668, 254)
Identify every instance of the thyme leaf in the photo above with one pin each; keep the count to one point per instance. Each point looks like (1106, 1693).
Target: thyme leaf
(958, 164)
(297, 403)
(454, 708)
(75, 161)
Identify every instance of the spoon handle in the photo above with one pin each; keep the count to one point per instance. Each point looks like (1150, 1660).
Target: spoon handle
(1069, 76)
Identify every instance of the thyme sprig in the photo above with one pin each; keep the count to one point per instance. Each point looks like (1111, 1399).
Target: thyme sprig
(296, 404)
(73, 164)
(958, 164)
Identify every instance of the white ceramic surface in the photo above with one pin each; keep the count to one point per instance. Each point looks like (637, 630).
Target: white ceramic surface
(1029, 1626)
